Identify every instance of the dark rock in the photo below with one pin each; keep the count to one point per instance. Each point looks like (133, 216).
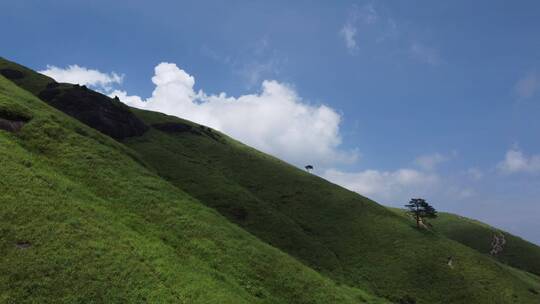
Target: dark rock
(12, 122)
(173, 127)
(210, 133)
(23, 245)
(406, 300)
(48, 94)
(11, 125)
(52, 85)
(12, 74)
(96, 110)
(239, 213)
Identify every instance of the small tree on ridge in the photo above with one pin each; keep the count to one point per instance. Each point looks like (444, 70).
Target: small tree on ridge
(420, 209)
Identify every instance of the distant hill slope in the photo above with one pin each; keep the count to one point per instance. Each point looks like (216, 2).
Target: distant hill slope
(341, 235)
(84, 220)
(516, 251)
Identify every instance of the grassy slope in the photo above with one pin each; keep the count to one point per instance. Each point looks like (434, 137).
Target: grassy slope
(517, 252)
(104, 228)
(32, 81)
(335, 231)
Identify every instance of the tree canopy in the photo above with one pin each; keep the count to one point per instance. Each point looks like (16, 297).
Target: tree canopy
(420, 209)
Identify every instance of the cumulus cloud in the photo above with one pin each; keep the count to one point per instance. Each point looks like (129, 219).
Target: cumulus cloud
(83, 76)
(275, 120)
(386, 186)
(430, 161)
(528, 86)
(515, 162)
(425, 54)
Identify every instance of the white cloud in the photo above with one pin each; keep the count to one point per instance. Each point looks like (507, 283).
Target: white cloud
(275, 120)
(348, 33)
(430, 161)
(425, 54)
(528, 86)
(386, 186)
(366, 15)
(515, 162)
(83, 76)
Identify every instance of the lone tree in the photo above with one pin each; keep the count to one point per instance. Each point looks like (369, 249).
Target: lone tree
(309, 168)
(420, 209)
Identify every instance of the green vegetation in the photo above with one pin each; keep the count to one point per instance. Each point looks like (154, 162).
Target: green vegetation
(343, 235)
(82, 220)
(517, 252)
(27, 79)
(86, 217)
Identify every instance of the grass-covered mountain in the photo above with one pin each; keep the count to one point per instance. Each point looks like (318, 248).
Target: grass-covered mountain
(103, 202)
(84, 219)
(516, 252)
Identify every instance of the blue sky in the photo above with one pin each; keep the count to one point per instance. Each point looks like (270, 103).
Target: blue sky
(393, 99)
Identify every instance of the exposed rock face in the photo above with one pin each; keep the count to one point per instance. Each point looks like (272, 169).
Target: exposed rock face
(53, 85)
(240, 213)
(11, 125)
(109, 116)
(12, 122)
(174, 127)
(497, 244)
(96, 110)
(23, 245)
(11, 74)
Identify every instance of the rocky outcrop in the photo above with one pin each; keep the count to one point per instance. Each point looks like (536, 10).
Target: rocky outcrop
(11, 74)
(497, 244)
(11, 125)
(175, 127)
(107, 115)
(11, 121)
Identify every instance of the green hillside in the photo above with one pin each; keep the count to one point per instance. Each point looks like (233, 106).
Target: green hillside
(133, 214)
(337, 232)
(24, 77)
(83, 220)
(516, 252)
